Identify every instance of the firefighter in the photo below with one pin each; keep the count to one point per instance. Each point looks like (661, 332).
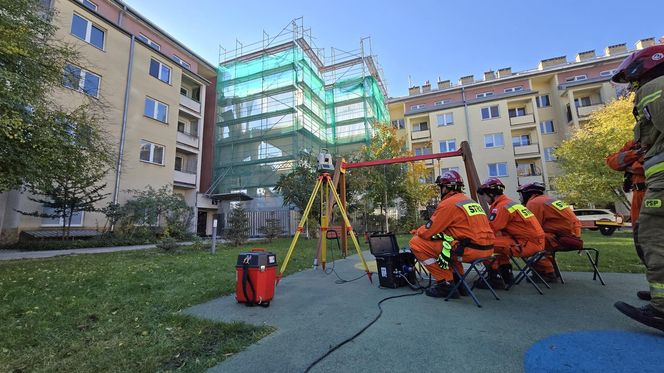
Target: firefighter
(629, 159)
(518, 233)
(644, 71)
(562, 229)
(457, 231)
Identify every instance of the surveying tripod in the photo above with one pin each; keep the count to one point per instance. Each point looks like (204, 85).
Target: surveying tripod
(325, 186)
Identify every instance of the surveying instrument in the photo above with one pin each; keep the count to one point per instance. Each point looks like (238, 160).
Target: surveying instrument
(326, 187)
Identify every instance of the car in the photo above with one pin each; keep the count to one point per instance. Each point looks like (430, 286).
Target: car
(605, 220)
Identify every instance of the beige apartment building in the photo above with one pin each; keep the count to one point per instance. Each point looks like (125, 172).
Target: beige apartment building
(513, 120)
(154, 92)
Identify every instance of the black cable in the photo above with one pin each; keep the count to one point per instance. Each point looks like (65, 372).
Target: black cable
(332, 270)
(363, 329)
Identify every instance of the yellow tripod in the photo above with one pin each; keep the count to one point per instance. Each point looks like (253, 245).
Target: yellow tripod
(325, 186)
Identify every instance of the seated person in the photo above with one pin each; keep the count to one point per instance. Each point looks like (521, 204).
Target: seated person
(562, 229)
(457, 231)
(518, 233)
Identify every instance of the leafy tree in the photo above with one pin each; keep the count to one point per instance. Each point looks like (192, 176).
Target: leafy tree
(296, 188)
(416, 193)
(31, 64)
(154, 208)
(586, 179)
(272, 228)
(238, 231)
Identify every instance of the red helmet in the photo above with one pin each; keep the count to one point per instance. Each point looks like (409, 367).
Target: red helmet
(536, 187)
(641, 65)
(491, 184)
(450, 179)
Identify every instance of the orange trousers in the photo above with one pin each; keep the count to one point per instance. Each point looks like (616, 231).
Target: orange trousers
(545, 265)
(427, 251)
(506, 246)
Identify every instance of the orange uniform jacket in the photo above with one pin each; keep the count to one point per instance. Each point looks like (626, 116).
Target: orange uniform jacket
(458, 216)
(630, 160)
(513, 220)
(555, 216)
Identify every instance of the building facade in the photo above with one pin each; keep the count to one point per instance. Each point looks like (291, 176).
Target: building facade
(153, 89)
(513, 120)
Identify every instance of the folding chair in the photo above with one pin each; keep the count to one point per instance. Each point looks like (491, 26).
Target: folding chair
(474, 266)
(528, 269)
(594, 263)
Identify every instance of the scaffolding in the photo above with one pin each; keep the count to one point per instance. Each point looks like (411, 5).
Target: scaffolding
(282, 98)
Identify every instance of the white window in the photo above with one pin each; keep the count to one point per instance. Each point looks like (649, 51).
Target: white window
(76, 218)
(422, 151)
(608, 73)
(543, 101)
(148, 41)
(89, 4)
(423, 126)
(548, 154)
(399, 124)
(85, 30)
(152, 153)
(160, 71)
(582, 101)
(415, 107)
(81, 80)
(485, 94)
(181, 61)
(441, 102)
(494, 140)
(498, 169)
(516, 112)
(446, 119)
(448, 146)
(514, 89)
(490, 112)
(156, 110)
(576, 78)
(520, 140)
(546, 127)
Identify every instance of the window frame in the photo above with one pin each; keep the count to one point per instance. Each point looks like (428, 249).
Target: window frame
(419, 126)
(89, 4)
(445, 122)
(153, 146)
(493, 135)
(516, 112)
(160, 71)
(538, 101)
(608, 73)
(88, 31)
(418, 106)
(521, 142)
(425, 150)
(498, 174)
(518, 88)
(61, 219)
(548, 154)
(181, 62)
(543, 125)
(447, 145)
(441, 102)
(83, 73)
(151, 43)
(578, 101)
(490, 113)
(576, 78)
(484, 94)
(155, 111)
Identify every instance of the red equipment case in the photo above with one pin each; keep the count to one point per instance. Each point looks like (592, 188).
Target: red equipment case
(255, 276)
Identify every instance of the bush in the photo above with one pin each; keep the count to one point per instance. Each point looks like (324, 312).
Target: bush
(272, 228)
(167, 244)
(238, 222)
(102, 241)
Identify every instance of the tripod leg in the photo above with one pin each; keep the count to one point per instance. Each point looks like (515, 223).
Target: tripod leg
(323, 221)
(300, 229)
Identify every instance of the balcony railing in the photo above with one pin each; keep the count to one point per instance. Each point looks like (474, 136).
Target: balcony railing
(531, 149)
(190, 103)
(584, 111)
(522, 119)
(530, 179)
(183, 177)
(187, 139)
(420, 135)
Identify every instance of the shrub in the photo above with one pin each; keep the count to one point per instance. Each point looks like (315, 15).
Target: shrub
(238, 222)
(272, 228)
(167, 244)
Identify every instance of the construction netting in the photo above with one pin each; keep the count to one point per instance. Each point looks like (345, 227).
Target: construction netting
(275, 107)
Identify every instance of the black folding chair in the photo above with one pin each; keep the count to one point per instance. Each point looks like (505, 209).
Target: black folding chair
(527, 269)
(479, 268)
(593, 263)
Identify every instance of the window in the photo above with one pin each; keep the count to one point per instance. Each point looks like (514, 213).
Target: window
(415, 107)
(423, 126)
(399, 124)
(81, 80)
(148, 41)
(576, 78)
(546, 127)
(184, 91)
(156, 110)
(85, 30)
(181, 126)
(181, 61)
(608, 73)
(448, 146)
(520, 140)
(446, 119)
(513, 89)
(178, 163)
(485, 94)
(490, 112)
(516, 112)
(160, 71)
(543, 101)
(152, 153)
(494, 140)
(89, 4)
(441, 102)
(76, 218)
(497, 169)
(422, 151)
(582, 101)
(548, 154)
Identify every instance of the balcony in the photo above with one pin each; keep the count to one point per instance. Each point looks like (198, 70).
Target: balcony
(527, 150)
(522, 119)
(584, 111)
(190, 104)
(530, 179)
(187, 139)
(420, 135)
(184, 178)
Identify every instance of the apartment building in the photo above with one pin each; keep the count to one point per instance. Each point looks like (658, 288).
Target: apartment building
(154, 90)
(513, 120)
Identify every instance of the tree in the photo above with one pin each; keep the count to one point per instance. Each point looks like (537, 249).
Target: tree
(32, 62)
(238, 223)
(272, 228)
(155, 208)
(416, 193)
(586, 179)
(296, 188)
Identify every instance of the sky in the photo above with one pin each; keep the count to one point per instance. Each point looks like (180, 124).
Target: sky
(417, 39)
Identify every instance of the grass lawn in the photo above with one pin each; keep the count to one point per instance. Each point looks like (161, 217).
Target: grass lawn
(120, 311)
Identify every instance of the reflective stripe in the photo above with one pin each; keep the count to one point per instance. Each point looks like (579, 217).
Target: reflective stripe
(510, 205)
(560, 205)
(654, 169)
(657, 290)
(464, 202)
(621, 159)
(654, 160)
(649, 99)
(429, 261)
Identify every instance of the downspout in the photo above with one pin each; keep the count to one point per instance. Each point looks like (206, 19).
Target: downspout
(123, 132)
(465, 113)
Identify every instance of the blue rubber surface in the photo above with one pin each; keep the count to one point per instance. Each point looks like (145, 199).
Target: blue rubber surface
(597, 351)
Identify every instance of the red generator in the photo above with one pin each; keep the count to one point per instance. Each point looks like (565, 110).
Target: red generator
(255, 276)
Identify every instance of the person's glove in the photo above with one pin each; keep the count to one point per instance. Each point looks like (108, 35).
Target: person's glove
(445, 257)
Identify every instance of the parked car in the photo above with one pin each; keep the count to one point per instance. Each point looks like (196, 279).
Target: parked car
(605, 220)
